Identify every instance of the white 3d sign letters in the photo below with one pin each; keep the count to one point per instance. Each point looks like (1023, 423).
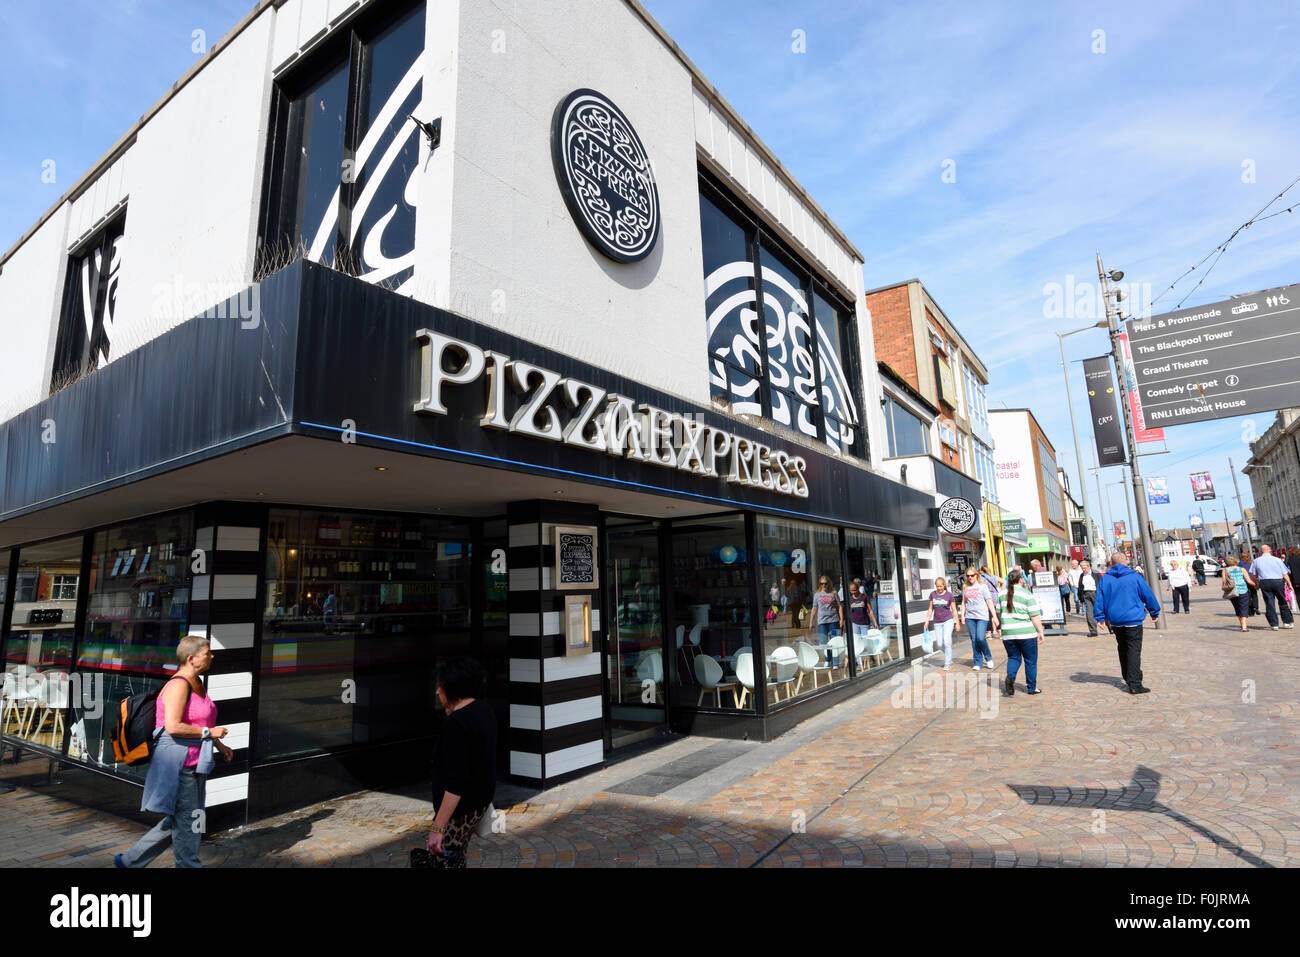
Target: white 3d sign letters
(599, 421)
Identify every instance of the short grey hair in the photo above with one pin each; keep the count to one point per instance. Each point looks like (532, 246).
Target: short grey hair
(190, 645)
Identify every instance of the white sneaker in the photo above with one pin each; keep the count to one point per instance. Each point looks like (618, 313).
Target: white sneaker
(1286, 625)
(975, 668)
(1272, 628)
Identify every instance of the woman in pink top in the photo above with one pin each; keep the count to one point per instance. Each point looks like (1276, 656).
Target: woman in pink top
(178, 769)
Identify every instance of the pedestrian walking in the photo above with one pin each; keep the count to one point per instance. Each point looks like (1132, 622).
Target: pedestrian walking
(184, 719)
(1274, 579)
(1123, 601)
(1236, 581)
(1246, 561)
(1075, 572)
(464, 762)
(1198, 569)
(1022, 632)
(1181, 585)
(1063, 584)
(861, 617)
(979, 614)
(939, 610)
(1293, 563)
(1088, 595)
(994, 581)
(828, 613)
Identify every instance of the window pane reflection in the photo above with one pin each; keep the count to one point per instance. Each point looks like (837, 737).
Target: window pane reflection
(875, 613)
(38, 648)
(712, 627)
(805, 643)
(359, 607)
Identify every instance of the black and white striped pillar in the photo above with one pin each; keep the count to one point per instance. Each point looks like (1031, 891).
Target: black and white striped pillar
(224, 609)
(556, 704)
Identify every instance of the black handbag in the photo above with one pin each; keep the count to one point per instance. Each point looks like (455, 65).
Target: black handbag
(451, 859)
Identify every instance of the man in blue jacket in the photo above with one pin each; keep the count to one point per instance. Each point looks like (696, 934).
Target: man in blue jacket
(1123, 600)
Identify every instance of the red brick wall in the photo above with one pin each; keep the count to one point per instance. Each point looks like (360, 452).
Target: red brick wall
(891, 324)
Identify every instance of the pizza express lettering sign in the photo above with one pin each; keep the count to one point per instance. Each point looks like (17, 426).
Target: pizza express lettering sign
(956, 516)
(575, 558)
(605, 176)
(530, 400)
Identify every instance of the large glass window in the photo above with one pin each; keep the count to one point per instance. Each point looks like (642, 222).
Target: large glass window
(872, 565)
(908, 435)
(137, 610)
(797, 366)
(139, 596)
(38, 647)
(89, 299)
(358, 610)
(1051, 486)
(342, 180)
(805, 630)
(712, 626)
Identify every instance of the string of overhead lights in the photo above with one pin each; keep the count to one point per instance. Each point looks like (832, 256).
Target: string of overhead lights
(1222, 247)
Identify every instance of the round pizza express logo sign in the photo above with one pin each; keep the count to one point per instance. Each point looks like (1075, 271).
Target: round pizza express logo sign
(605, 176)
(956, 516)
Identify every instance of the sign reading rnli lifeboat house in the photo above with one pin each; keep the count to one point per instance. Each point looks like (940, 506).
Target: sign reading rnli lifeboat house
(599, 421)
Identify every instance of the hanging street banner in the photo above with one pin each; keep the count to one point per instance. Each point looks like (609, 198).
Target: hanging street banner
(1157, 491)
(1121, 532)
(1140, 431)
(1225, 359)
(1107, 429)
(1202, 486)
(1195, 523)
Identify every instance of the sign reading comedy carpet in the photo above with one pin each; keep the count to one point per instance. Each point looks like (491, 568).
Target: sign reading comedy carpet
(605, 176)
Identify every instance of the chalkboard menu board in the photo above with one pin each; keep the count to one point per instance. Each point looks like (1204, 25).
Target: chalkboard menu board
(575, 557)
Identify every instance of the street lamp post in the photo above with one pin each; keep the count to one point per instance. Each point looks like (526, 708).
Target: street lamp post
(1139, 498)
(1078, 459)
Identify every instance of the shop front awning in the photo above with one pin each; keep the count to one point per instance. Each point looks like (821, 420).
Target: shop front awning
(314, 401)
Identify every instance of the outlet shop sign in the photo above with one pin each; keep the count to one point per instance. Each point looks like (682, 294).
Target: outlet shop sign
(597, 420)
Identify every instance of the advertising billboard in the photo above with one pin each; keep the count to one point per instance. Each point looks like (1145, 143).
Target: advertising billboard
(1107, 429)
(1157, 491)
(1220, 360)
(1202, 486)
(1121, 531)
(1140, 431)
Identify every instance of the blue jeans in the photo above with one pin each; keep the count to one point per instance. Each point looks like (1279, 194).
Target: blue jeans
(978, 628)
(181, 830)
(826, 629)
(1026, 648)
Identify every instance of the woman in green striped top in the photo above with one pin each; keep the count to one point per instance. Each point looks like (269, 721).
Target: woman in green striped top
(1022, 630)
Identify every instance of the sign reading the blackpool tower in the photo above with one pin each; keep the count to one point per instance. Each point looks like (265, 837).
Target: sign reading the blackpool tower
(1217, 361)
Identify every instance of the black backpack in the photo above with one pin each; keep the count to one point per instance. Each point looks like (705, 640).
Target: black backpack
(133, 726)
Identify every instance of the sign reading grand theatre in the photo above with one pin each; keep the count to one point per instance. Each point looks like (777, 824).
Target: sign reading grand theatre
(605, 176)
(598, 420)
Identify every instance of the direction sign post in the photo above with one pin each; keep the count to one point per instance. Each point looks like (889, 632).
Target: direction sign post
(1221, 360)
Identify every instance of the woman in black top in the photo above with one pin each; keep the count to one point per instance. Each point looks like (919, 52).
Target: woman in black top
(464, 762)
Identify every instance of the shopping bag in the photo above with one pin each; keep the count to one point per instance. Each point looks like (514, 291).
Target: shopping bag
(927, 641)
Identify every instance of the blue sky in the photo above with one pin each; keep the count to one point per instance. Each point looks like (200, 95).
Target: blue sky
(1059, 151)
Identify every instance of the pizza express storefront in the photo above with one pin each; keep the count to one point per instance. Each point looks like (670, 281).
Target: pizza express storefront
(339, 502)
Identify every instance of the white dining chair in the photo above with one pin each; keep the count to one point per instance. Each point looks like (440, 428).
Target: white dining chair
(838, 647)
(786, 666)
(808, 662)
(709, 674)
(651, 668)
(13, 700)
(745, 675)
(52, 700)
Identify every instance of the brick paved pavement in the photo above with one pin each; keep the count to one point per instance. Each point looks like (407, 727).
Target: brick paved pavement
(1204, 771)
